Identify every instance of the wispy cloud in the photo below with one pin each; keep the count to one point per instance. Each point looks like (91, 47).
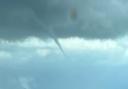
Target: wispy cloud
(5, 55)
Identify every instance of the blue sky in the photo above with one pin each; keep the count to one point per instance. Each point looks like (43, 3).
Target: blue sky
(90, 64)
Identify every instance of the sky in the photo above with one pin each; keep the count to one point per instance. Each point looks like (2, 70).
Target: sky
(63, 44)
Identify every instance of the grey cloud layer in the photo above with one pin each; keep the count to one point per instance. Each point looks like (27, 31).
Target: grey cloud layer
(95, 18)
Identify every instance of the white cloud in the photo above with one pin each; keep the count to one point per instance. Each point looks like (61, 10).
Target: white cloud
(25, 82)
(69, 44)
(97, 51)
(33, 42)
(30, 42)
(5, 55)
(81, 44)
(44, 52)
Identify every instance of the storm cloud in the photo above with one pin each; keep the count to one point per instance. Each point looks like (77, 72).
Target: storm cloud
(94, 18)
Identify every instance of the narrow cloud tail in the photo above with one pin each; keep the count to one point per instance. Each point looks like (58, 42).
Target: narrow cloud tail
(52, 34)
(56, 41)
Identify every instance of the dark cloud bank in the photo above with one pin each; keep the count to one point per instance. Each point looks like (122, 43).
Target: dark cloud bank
(95, 18)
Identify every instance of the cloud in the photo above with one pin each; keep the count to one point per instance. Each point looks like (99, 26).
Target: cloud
(82, 44)
(36, 17)
(25, 82)
(99, 52)
(5, 55)
(37, 63)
